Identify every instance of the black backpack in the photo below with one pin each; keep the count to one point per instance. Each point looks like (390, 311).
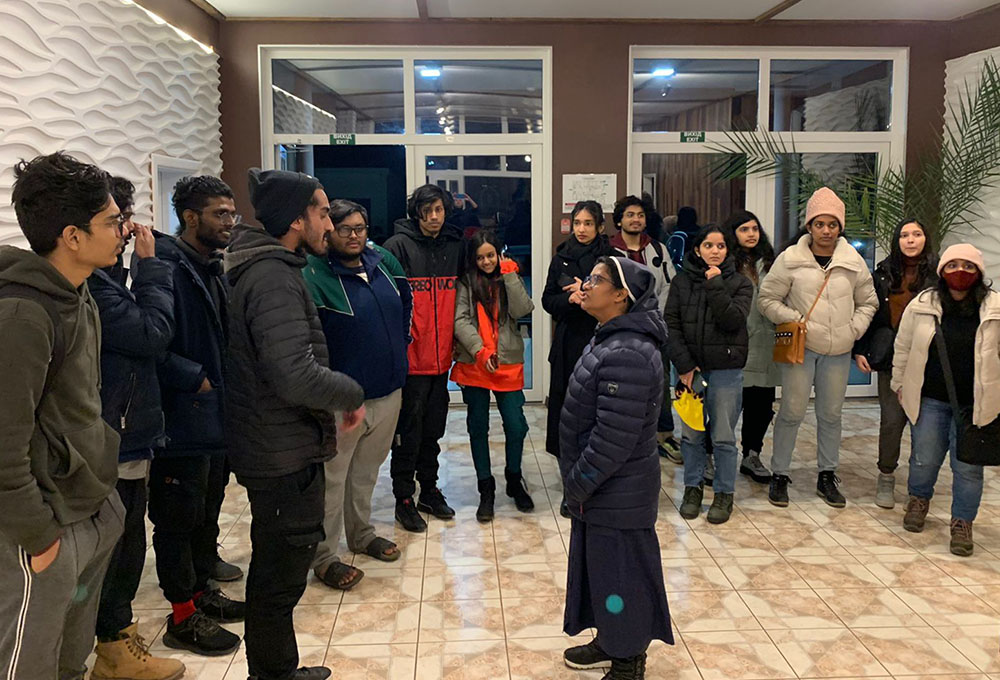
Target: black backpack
(19, 290)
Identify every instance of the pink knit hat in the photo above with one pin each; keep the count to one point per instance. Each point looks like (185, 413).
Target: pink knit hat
(825, 202)
(962, 251)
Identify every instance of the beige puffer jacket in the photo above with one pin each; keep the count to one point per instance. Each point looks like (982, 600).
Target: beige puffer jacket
(913, 341)
(844, 310)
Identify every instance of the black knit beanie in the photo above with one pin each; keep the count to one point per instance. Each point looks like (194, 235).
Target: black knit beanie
(279, 197)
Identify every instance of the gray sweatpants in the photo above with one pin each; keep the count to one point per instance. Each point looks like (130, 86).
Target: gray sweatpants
(47, 620)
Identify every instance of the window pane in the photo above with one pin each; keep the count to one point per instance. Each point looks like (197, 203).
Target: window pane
(679, 95)
(478, 96)
(824, 96)
(320, 96)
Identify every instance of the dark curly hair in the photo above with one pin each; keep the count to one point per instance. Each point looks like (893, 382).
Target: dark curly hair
(194, 193)
(622, 204)
(424, 197)
(123, 191)
(53, 192)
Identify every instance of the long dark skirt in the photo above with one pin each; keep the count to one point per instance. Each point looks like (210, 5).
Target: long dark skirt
(615, 584)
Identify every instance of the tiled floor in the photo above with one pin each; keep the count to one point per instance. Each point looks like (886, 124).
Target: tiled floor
(806, 591)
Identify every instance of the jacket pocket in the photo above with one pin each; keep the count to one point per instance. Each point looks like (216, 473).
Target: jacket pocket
(82, 454)
(196, 419)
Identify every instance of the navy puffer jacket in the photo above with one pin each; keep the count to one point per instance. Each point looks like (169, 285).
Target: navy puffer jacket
(607, 431)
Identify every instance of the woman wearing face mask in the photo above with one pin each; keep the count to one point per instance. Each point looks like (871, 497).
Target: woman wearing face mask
(821, 272)
(611, 473)
(966, 312)
(909, 269)
(706, 316)
(754, 257)
(573, 261)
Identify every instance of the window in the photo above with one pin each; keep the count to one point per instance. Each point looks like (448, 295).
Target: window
(813, 95)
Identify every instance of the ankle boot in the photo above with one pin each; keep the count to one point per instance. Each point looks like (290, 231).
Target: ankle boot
(633, 668)
(518, 490)
(487, 496)
(129, 658)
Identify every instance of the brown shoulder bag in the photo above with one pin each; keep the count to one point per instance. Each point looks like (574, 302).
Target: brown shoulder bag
(790, 338)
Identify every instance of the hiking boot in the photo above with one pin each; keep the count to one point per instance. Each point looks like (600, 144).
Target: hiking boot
(777, 492)
(586, 656)
(225, 572)
(128, 658)
(961, 537)
(518, 490)
(633, 668)
(691, 503)
(722, 508)
(885, 491)
(753, 468)
(200, 635)
(916, 513)
(487, 496)
(826, 488)
(408, 517)
(310, 673)
(669, 448)
(219, 607)
(709, 470)
(432, 501)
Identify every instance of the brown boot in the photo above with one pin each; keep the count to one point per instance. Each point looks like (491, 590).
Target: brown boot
(128, 658)
(961, 537)
(916, 513)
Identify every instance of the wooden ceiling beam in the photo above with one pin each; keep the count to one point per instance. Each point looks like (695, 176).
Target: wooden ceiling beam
(422, 9)
(776, 10)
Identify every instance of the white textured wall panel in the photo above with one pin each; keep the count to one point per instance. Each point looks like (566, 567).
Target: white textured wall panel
(106, 82)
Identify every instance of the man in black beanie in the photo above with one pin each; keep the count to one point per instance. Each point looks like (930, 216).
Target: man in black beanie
(280, 407)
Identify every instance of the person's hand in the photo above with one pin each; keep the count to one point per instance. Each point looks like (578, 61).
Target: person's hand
(899, 395)
(688, 378)
(145, 244)
(43, 561)
(206, 386)
(576, 297)
(862, 363)
(493, 363)
(352, 419)
(508, 266)
(573, 287)
(712, 272)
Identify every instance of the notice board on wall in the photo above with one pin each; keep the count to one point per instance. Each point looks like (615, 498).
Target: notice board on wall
(589, 187)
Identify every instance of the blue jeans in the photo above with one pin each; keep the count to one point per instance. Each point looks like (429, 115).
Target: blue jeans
(723, 403)
(931, 437)
(828, 374)
(665, 422)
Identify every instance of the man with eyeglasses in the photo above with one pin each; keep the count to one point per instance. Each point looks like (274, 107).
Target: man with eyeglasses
(364, 304)
(187, 477)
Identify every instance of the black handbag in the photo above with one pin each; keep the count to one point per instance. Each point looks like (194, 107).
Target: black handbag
(880, 348)
(976, 445)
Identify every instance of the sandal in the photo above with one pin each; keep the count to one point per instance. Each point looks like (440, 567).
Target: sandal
(335, 573)
(377, 547)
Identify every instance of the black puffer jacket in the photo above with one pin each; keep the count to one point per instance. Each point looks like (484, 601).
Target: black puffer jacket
(608, 460)
(282, 395)
(136, 327)
(707, 319)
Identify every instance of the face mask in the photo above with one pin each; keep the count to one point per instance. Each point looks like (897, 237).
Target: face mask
(961, 280)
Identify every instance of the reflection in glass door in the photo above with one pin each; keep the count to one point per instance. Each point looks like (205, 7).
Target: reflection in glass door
(684, 179)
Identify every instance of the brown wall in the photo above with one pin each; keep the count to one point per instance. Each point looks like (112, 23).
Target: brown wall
(186, 16)
(978, 32)
(590, 62)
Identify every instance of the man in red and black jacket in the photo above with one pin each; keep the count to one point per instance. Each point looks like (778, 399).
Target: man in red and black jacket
(430, 251)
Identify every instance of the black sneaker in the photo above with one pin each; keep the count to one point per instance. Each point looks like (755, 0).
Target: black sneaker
(433, 502)
(219, 607)
(777, 493)
(826, 488)
(224, 572)
(586, 656)
(691, 503)
(200, 635)
(633, 668)
(310, 673)
(407, 515)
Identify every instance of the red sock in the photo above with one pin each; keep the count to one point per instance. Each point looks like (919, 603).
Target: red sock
(182, 611)
(197, 596)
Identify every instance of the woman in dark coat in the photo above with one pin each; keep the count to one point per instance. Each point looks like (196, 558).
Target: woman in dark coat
(572, 263)
(611, 474)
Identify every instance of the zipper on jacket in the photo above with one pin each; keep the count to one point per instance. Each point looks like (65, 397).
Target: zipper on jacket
(128, 402)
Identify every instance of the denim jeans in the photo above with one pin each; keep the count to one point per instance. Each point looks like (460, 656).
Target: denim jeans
(723, 403)
(665, 421)
(931, 437)
(828, 374)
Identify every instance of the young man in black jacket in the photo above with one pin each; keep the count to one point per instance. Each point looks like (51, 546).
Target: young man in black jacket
(136, 327)
(280, 404)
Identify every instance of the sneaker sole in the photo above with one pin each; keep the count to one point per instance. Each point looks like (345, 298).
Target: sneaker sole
(831, 504)
(885, 505)
(415, 530)
(172, 642)
(961, 551)
(716, 520)
(228, 579)
(176, 676)
(760, 479)
(777, 504)
(688, 515)
(588, 666)
(426, 508)
(913, 528)
(224, 620)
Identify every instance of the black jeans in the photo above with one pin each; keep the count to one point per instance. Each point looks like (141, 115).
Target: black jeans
(287, 526)
(891, 424)
(423, 418)
(184, 510)
(758, 412)
(121, 582)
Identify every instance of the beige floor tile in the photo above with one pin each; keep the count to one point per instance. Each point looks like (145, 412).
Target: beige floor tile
(907, 570)
(802, 541)
(948, 605)
(780, 609)
(710, 610)
(474, 660)
(314, 624)
(376, 623)
(833, 572)
(451, 550)
(979, 644)
(386, 585)
(913, 651)
(532, 580)
(736, 655)
(461, 583)
(736, 543)
(529, 617)
(981, 569)
(372, 662)
(694, 574)
(458, 620)
(542, 657)
(869, 607)
(826, 653)
(308, 656)
(761, 573)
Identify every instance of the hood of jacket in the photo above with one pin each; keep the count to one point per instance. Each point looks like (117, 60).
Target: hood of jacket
(695, 267)
(369, 260)
(27, 268)
(253, 244)
(643, 317)
(409, 227)
(801, 255)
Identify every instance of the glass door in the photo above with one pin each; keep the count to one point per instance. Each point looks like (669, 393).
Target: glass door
(494, 187)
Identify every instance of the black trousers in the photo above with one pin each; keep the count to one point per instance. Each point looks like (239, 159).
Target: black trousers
(287, 526)
(423, 418)
(758, 412)
(184, 504)
(121, 582)
(891, 424)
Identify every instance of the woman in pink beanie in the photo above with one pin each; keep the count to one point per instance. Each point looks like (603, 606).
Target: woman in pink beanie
(967, 311)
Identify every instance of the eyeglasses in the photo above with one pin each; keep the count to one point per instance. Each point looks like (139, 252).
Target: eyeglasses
(595, 280)
(345, 231)
(225, 216)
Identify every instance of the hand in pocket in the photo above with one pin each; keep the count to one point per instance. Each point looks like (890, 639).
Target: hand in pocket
(43, 561)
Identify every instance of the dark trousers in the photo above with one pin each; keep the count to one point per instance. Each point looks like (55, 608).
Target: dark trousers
(477, 420)
(184, 509)
(758, 412)
(286, 527)
(125, 570)
(891, 424)
(422, 421)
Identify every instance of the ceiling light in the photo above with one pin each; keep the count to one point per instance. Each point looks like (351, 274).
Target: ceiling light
(440, 110)
(663, 72)
(430, 73)
(527, 159)
(441, 120)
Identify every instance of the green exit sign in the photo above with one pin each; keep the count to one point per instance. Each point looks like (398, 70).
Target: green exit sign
(342, 140)
(692, 136)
